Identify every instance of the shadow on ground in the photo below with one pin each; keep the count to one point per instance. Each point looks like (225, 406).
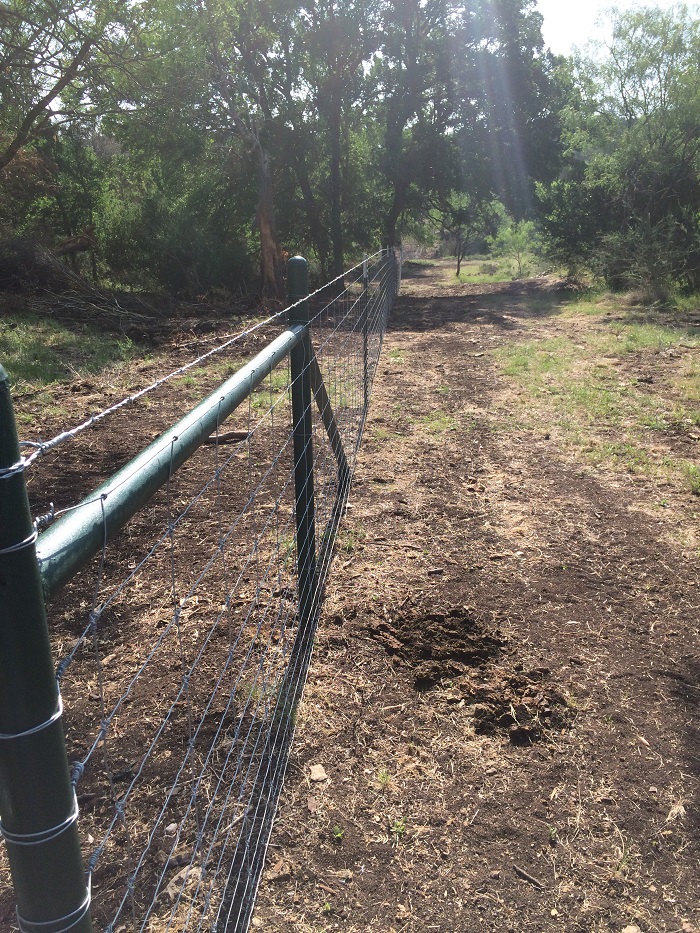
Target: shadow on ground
(503, 304)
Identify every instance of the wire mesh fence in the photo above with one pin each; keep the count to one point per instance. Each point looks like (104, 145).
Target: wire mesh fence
(182, 648)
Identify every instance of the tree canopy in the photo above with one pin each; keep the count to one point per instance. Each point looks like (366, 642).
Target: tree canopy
(201, 139)
(628, 199)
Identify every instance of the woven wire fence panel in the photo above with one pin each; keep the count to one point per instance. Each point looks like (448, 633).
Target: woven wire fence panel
(178, 652)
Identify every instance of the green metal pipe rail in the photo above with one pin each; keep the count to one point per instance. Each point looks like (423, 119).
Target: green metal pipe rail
(68, 545)
(38, 809)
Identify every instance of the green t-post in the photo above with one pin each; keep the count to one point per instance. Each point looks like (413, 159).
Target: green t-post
(37, 802)
(300, 362)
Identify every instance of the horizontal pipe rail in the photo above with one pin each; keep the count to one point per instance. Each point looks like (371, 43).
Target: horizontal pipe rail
(68, 545)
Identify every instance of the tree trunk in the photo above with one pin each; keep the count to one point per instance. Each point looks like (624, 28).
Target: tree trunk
(398, 205)
(336, 216)
(40, 110)
(270, 251)
(318, 234)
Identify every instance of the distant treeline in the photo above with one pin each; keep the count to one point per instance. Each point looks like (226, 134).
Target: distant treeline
(191, 143)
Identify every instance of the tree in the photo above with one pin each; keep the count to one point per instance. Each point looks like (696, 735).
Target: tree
(51, 55)
(189, 132)
(632, 131)
(517, 241)
(232, 36)
(467, 102)
(468, 222)
(416, 98)
(509, 111)
(340, 38)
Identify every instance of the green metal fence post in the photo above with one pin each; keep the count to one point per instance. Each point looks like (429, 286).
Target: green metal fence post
(300, 359)
(365, 328)
(38, 807)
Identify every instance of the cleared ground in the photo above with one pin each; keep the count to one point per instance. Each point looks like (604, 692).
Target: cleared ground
(504, 698)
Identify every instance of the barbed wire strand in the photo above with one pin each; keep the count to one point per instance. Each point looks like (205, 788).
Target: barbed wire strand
(43, 447)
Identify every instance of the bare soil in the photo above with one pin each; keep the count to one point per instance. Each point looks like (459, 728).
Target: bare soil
(504, 697)
(505, 692)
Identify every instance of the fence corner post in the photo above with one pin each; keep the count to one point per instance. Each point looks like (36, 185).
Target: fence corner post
(300, 360)
(37, 803)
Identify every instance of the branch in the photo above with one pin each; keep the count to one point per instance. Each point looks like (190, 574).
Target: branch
(25, 131)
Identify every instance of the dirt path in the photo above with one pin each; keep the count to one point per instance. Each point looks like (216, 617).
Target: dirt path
(504, 695)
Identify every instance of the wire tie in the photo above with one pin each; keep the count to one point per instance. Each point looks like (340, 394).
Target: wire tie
(12, 470)
(43, 521)
(44, 725)
(51, 926)
(77, 771)
(21, 545)
(44, 835)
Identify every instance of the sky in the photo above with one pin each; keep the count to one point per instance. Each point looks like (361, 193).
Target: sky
(572, 22)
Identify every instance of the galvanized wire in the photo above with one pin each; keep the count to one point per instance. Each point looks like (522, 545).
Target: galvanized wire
(185, 675)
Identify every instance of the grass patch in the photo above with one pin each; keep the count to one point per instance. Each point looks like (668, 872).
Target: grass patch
(692, 477)
(270, 389)
(383, 434)
(437, 422)
(37, 352)
(586, 386)
(623, 454)
(351, 540)
(487, 271)
(633, 338)
(532, 361)
(482, 271)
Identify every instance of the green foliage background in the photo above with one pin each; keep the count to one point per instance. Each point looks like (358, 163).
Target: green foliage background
(371, 119)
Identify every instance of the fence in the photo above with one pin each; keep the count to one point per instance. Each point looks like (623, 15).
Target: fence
(183, 640)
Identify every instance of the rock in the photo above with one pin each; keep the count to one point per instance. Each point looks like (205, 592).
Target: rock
(317, 773)
(632, 928)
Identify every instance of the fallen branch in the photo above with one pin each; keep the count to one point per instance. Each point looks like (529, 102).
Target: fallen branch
(229, 438)
(526, 877)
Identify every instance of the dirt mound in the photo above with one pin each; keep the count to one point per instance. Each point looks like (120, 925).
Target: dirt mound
(525, 707)
(437, 645)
